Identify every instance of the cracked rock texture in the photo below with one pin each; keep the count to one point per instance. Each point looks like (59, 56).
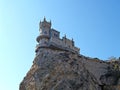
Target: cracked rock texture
(63, 70)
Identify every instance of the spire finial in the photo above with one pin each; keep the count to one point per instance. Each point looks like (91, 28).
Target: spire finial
(44, 18)
(72, 39)
(50, 22)
(72, 42)
(65, 36)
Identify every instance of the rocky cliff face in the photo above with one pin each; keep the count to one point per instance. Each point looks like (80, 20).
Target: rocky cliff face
(62, 70)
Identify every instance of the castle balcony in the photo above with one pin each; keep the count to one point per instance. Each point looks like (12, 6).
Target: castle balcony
(38, 46)
(42, 36)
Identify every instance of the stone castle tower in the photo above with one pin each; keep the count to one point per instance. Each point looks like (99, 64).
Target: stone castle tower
(50, 38)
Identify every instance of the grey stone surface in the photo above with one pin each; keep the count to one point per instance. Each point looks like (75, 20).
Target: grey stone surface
(64, 70)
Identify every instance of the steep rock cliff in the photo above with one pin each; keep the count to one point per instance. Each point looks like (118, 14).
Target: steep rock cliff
(63, 70)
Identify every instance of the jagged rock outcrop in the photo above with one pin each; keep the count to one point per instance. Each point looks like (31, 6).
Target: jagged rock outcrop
(63, 70)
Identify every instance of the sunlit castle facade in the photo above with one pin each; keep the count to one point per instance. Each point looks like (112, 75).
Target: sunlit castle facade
(50, 38)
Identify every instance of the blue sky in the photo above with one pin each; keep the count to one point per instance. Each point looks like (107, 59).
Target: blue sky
(94, 25)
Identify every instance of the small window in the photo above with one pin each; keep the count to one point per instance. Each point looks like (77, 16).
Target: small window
(45, 42)
(45, 32)
(56, 35)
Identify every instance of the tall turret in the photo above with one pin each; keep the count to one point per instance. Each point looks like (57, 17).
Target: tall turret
(44, 28)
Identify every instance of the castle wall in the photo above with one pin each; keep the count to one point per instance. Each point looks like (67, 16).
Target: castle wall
(61, 43)
(57, 41)
(54, 33)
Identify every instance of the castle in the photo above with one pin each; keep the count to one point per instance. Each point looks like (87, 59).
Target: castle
(50, 38)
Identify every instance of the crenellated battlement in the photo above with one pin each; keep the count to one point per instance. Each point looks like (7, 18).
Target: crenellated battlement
(50, 38)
